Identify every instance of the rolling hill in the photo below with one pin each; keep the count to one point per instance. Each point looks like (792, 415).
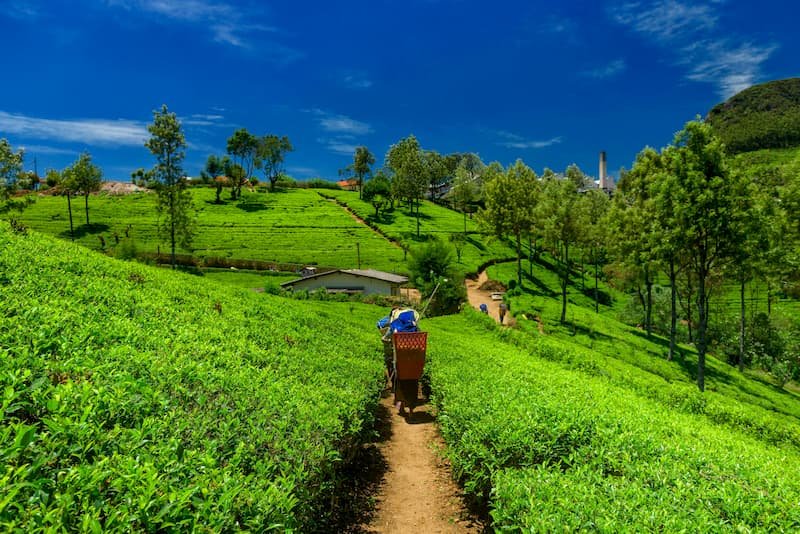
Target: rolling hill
(765, 116)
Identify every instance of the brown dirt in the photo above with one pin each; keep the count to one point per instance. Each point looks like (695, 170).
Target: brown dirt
(477, 296)
(418, 493)
(121, 188)
(492, 285)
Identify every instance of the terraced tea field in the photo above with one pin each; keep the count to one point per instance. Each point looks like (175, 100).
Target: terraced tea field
(293, 226)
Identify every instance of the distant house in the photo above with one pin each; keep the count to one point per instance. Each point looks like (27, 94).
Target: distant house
(348, 185)
(308, 271)
(368, 282)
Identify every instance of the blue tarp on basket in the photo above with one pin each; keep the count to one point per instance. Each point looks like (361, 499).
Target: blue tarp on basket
(400, 321)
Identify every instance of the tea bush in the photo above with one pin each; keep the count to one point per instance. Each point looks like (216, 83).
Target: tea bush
(135, 399)
(551, 442)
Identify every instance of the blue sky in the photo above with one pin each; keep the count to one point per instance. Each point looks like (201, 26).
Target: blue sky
(552, 83)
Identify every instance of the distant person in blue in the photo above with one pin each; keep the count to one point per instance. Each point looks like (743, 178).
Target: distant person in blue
(399, 320)
(484, 308)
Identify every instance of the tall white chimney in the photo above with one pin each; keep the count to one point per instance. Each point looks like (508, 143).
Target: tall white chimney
(603, 178)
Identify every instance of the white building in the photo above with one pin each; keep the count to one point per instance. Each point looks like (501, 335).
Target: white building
(368, 282)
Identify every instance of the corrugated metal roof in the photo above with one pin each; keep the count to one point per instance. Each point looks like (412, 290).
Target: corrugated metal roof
(366, 273)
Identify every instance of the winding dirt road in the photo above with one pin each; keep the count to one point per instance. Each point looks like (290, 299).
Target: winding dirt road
(477, 296)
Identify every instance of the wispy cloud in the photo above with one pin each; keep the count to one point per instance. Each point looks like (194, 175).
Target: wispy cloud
(21, 10)
(32, 150)
(665, 20)
(512, 140)
(206, 119)
(227, 23)
(618, 66)
(343, 131)
(689, 31)
(338, 145)
(356, 80)
(87, 131)
(340, 124)
(731, 67)
(303, 172)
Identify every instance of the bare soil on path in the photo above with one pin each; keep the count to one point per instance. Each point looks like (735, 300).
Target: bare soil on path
(477, 296)
(417, 493)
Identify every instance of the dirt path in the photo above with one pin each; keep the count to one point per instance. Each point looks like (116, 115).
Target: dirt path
(477, 296)
(359, 220)
(417, 494)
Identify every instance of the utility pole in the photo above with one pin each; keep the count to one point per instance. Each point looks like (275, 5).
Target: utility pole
(358, 254)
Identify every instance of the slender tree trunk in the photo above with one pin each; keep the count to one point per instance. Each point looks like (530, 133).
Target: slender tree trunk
(689, 298)
(702, 326)
(69, 208)
(465, 222)
(86, 204)
(564, 283)
(769, 299)
(172, 222)
(417, 217)
(673, 309)
(648, 312)
(741, 324)
(596, 275)
(530, 255)
(519, 259)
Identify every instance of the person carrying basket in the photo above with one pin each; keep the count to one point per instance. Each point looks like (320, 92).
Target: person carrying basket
(404, 355)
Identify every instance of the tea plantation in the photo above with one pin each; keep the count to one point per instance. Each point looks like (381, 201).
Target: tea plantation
(292, 226)
(134, 398)
(552, 437)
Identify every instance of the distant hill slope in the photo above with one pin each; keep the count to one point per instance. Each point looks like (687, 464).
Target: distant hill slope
(762, 116)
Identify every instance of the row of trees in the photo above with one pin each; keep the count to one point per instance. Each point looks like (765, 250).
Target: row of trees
(684, 214)
(247, 153)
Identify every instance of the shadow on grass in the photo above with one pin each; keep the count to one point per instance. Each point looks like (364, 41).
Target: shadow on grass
(252, 207)
(360, 481)
(86, 229)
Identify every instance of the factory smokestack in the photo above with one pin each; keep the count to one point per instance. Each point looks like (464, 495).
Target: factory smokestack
(603, 177)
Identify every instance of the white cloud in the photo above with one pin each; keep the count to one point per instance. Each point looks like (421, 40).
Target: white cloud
(618, 66)
(338, 145)
(87, 131)
(665, 20)
(732, 68)
(21, 10)
(512, 140)
(357, 80)
(689, 31)
(228, 24)
(33, 150)
(340, 124)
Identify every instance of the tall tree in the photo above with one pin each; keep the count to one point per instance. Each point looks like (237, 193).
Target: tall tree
(464, 191)
(563, 224)
(363, 159)
(377, 192)
(85, 178)
(632, 220)
(410, 177)
(270, 156)
(168, 144)
(706, 202)
(594, 205)
(10, 172)
(437, 171)
(215, 168)
(243, 148)
(511, 198)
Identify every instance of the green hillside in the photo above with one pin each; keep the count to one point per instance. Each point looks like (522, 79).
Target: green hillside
(293, 226)
(141, 399)
(138, 399)
(760, 117)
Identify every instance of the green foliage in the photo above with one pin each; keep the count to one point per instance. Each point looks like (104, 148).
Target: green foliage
(431, 268)
(270, 155)
(299, 226)
(174, 207)
(137, 399)
(760, 117)
(10, 172)
(533, 423)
